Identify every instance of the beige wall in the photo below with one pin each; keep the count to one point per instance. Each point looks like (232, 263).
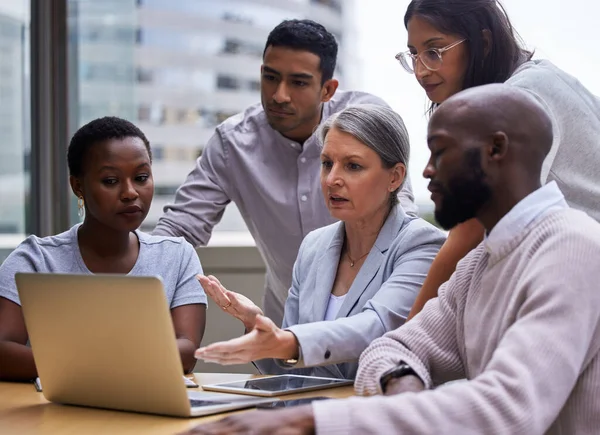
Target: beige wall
(240, 269)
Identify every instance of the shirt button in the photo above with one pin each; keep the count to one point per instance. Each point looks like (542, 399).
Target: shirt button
(304, 198)
(303, 159)
(327, 354)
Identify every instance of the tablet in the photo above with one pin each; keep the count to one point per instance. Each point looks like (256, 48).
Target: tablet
(278, 385)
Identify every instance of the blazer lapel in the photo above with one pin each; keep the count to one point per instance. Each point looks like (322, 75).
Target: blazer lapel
(326, 272)
(374, 260)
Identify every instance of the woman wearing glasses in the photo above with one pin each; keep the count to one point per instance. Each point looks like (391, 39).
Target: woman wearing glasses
(457, 44)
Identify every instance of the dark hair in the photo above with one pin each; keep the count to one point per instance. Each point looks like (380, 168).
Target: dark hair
(309, 36)
(468, 18)
(99, 130)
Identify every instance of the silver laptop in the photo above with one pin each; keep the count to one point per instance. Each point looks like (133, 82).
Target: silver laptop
(108, 341)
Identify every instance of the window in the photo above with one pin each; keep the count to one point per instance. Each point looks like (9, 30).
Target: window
(165, 190)
(335, 5)
(227, 82)
(234, 46)
(158, 153)
(191, 41)
(144, 75)
(170, 81)
(15, 127)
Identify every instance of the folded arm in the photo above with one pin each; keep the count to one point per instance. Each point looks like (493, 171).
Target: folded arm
(427, 344)
(528, 379)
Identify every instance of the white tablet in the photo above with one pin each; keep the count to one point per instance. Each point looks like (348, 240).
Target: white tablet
(278, 385)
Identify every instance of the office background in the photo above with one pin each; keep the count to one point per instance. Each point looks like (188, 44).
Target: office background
(177, 69)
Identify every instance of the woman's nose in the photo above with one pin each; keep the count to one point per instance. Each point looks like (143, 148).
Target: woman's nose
(421, 70)
(129, 192)
(334, 177)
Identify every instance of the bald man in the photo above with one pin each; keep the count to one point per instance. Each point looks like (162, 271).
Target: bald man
(519, 320)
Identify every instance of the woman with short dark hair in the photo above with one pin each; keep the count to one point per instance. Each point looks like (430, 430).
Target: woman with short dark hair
(110, 166)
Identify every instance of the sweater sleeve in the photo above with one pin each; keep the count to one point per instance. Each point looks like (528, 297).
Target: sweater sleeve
(536, 365)
(428, 343)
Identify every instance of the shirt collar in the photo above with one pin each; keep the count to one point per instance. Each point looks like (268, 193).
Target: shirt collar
(534, 206)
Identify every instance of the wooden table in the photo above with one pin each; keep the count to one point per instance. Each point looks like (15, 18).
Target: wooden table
(25, 411)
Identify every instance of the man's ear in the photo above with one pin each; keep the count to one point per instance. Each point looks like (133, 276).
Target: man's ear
(76, 186)
(328, 90)
(487, 42)
(499, 146)
(398, 176)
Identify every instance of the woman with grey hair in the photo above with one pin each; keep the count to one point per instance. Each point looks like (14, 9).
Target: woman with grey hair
(353, 280)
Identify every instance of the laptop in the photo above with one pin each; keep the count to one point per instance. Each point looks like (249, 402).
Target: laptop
(107, 341)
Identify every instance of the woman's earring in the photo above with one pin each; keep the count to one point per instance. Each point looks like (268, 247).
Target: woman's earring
(80, 209)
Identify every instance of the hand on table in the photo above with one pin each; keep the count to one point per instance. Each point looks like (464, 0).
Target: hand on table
(236, 304)
(298, 420)
(265, 340)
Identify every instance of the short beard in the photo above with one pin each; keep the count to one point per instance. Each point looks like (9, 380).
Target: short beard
(465, 195)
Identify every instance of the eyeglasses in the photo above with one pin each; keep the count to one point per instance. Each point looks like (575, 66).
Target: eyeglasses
(430, 58)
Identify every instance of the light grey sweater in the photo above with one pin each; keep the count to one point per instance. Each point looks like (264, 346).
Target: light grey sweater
(519, 319)
(574, 159)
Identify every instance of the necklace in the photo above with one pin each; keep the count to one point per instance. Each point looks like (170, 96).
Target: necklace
(352, 262)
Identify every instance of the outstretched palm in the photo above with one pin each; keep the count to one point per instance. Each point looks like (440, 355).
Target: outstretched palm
(236, 304)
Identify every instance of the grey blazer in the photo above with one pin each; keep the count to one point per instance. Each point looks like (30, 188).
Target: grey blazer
(378, 301)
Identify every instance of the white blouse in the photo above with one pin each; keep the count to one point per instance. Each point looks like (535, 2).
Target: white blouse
(333, 307)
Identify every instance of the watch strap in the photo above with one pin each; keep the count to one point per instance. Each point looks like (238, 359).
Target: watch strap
(402, 369)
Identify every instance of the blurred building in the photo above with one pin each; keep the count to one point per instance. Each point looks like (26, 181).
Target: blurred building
(178, 68)
(13, 114)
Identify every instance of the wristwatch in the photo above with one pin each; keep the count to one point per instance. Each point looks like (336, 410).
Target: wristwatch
(402, 369)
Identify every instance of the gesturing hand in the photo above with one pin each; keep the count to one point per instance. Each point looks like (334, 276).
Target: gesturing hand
(236, 304)
(264, 341)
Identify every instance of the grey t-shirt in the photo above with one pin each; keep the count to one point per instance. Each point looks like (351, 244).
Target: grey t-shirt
(172, 259)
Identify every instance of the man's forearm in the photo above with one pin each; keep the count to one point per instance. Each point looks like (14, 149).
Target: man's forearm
(461, 240)
(16, 362)
(405, 384)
